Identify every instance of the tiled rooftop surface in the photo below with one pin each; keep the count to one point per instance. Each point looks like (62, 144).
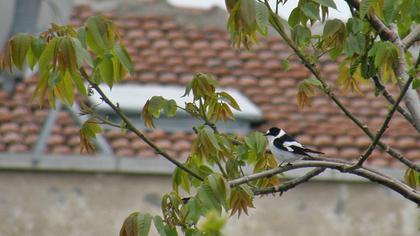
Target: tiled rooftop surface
(167, 53)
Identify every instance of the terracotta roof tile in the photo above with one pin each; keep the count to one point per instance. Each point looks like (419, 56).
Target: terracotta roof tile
(17, 147)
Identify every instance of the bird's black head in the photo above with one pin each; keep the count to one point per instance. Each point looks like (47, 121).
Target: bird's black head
(274, 131)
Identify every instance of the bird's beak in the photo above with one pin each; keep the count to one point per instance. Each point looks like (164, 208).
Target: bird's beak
(265, 134)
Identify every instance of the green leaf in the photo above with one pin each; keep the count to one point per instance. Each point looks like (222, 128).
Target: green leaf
(365, 5)
(155, 105)
(355, 25)
(220, 188)
(207, 198)
(169, 108)
(294, 17)
(208, 137)
(230, 100)
(311, 10)
(79, 83)
(82, 54)
(48, 55)
(68, 88)
(136, 224)
(262, 16)
(30, 59)
(257, 142)
(301, 35)
(203, 86)
(213, 224)
(124, 57)
(144, 221)
(160, 227)
(147, 116)
(66, 55)
(106, 69)
(37, 46)
(285, 65)
(355, 44)
(331, 27)
(81, 35)
(241, 199)
(248, 15)
(416, 83)
(180, 178)
(100, 34)
(412, 178)
(327, 3)
(390, 10)
(164, 230)
(20, 44)
(88, 131)
(193, 209)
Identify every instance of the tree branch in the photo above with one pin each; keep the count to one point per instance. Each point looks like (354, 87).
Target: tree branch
(290, 184)
(384, 126)
(364, 172)
(411, 98)
(326, 89)
(411, 38)
(381, 88)
(131, 127)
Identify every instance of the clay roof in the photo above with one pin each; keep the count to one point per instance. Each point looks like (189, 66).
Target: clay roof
(165, 52)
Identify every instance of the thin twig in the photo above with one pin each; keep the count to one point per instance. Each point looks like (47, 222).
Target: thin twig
(131, 127)
(388, 118)
(411, 38)
(384, 126)
(387, 95)
(364, 172)
(290, 184)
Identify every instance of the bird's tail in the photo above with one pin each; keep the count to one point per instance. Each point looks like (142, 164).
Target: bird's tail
(313, 153)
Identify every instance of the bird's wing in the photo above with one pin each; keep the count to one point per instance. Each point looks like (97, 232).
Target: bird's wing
(288, 143)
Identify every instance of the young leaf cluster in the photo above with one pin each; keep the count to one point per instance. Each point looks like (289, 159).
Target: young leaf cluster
(207, 104)
(62, 52)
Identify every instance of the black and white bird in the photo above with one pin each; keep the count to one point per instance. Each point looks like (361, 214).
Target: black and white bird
(287, 149)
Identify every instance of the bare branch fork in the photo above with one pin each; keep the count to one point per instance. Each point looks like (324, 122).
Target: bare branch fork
(131, 127)
(387, 95)
(384, 126)
(326, 89)
(364, 172)
(290, 184)
(411, 38)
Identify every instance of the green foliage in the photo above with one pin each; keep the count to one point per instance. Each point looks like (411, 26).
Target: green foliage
(155, 106)
(247, 17)
(88, 131)
(365, 6)
(136, 224)
(207, 104)
(164, 230)
(62, 53)
(412, 178)
(327, 3)
(213, 224)
(349, 76)
(416, 83)
(241, 199)
(385, 56)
